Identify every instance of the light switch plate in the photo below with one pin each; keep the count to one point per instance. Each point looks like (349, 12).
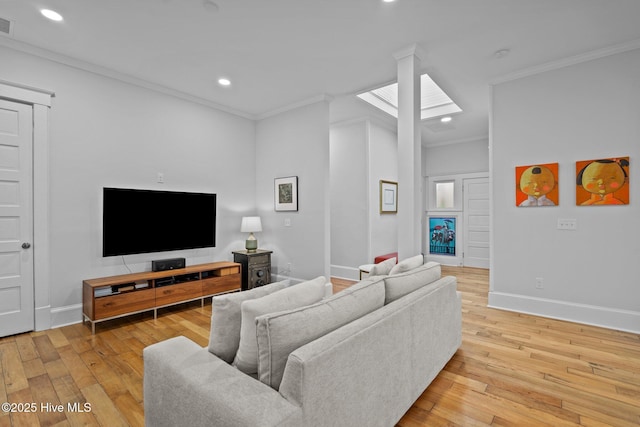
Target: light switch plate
(567, 224)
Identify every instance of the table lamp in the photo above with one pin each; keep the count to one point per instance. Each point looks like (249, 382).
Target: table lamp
(251, 224)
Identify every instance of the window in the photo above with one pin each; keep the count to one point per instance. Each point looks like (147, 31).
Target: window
(445, 195)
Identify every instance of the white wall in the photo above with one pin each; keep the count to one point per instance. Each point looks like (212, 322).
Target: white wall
(295, 143)
(584, 111)
(384, 166)
(350, 222)
(363, 152)
(456, 158)
(108, 133)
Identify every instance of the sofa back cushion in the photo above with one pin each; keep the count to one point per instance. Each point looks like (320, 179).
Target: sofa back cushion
(399, 285)
(382, 268)
(226, 316)
(281, 333)
(294, 296)
(407, 264)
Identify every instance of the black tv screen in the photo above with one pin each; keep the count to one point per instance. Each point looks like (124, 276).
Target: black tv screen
(142, 221)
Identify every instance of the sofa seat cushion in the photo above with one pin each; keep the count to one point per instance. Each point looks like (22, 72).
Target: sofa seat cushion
(226, 318)
(383, 268)
(299, 295)
(407, 264)
(399, 285)
(281, 333)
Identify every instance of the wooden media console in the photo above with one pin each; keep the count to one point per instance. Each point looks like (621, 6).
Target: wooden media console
(111, 297)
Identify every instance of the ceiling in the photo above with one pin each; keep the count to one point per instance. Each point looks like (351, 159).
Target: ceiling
(282, 53)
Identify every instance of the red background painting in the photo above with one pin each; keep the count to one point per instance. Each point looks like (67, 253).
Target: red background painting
(583, 195)
(553, 195)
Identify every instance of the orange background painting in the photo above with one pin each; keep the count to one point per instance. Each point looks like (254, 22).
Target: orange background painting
(622, 195)
(553, 195)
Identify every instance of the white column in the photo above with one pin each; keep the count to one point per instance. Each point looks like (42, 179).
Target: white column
(409, 153)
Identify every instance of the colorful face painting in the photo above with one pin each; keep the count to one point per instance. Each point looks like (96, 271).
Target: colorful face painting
(537, 185)
(602, 182)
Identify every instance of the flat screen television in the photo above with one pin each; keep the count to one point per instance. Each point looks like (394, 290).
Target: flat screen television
(143, 221)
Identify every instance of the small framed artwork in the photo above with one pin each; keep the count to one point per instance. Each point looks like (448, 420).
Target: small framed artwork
(537, 185)
(602, 182)
(388, 197)
(286, 194)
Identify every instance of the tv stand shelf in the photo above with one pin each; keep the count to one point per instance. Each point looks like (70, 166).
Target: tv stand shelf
(111, 297)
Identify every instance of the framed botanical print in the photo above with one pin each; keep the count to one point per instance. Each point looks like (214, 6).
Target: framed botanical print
(286, 194)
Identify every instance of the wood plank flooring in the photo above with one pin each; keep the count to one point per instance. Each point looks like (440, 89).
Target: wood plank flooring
(511, 370)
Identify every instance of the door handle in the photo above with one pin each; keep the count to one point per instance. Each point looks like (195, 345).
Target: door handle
(26, 245)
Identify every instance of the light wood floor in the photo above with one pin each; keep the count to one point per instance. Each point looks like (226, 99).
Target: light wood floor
(511, 369)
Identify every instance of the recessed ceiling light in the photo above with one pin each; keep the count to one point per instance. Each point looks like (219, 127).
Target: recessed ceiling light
(388, 1)
(51, 14)
(446, 119)
(224, 81)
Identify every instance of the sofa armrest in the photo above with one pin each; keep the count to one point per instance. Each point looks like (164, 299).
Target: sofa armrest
(184, 384)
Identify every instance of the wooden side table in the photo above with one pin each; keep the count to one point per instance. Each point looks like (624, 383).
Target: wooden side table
(256, 267)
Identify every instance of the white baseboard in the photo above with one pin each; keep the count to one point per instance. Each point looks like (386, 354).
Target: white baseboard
(43, 318)
(621, 320)
(344, 272)
(68, 315)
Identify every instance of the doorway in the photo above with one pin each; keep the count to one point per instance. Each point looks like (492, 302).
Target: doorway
(24, 209)
(459, 205)
(16, 223)
(476, 222)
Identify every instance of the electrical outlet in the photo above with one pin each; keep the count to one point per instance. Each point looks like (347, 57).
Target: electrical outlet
(160, 178)
(539, 283)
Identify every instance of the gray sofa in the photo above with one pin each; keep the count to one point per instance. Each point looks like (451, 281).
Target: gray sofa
(360, 357)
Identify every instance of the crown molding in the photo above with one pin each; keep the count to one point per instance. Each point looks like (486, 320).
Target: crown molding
(303, 103)
(116, 75)
(569, 61)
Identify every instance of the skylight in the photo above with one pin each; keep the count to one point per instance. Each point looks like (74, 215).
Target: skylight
(434, 102)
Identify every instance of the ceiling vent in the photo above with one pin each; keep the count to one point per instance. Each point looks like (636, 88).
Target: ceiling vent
(6, 27)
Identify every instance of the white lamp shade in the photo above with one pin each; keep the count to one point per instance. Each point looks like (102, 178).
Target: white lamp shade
(251, 224)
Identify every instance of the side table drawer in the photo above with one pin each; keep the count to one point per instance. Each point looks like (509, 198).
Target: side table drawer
(260, 259)
(181, 292)
(129, 302)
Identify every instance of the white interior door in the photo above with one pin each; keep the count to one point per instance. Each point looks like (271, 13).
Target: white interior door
(476, 220)
(16, 226)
